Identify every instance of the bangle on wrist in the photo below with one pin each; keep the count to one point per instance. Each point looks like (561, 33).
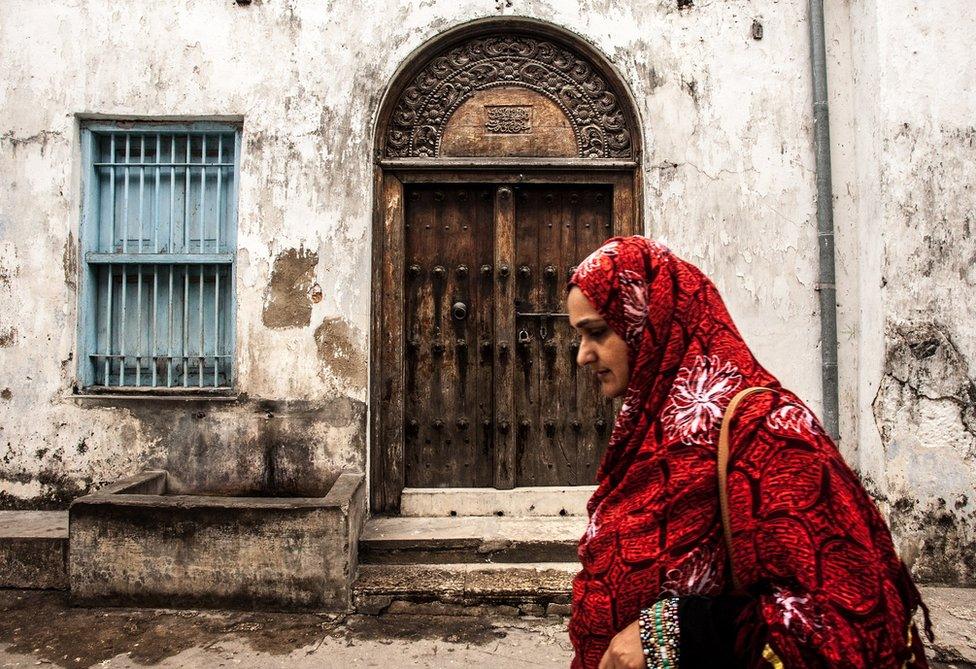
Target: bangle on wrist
(659, 634)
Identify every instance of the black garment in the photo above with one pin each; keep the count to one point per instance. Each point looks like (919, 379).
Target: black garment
(707, 628)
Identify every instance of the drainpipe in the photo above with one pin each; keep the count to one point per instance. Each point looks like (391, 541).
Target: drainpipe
(825, 221)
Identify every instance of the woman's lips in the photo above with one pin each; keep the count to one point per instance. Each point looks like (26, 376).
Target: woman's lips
(602, 373)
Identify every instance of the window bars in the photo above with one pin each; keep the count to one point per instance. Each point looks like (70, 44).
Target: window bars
(160, 250)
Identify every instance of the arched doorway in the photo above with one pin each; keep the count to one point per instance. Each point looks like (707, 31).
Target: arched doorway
(506, 150)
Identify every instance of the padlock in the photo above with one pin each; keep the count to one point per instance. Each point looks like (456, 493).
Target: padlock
(524, 338)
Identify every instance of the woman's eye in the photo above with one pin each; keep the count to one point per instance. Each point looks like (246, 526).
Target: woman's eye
(598, 334)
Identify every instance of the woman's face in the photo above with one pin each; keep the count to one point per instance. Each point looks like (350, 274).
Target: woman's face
(600, 347)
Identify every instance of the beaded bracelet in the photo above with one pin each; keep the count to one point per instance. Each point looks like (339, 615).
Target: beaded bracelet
(659, 634)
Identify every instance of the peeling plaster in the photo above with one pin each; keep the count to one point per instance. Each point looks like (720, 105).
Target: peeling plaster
(337, 350)
(286, 301)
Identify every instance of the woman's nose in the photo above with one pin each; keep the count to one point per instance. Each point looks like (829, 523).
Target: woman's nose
(584, 356)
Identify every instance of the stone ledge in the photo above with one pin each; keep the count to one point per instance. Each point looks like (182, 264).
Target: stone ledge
(470, 539)
(34, 549)
(445, 589)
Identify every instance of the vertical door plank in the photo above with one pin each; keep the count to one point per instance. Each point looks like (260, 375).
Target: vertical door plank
(531, 455)
(540, 224)
(480, 335)
(459, 251)
(418, 319)
(595, 225)
(624, 208)
(558, 359)
(391, 341)
(505, 355)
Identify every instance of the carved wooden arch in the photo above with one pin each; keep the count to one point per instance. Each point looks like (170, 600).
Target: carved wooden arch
(509, 53)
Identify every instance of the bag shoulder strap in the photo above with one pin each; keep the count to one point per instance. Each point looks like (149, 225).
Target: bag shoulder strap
(723, 470)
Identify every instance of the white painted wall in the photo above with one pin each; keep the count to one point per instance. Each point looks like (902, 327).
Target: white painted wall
(906, 190)
(729, 185)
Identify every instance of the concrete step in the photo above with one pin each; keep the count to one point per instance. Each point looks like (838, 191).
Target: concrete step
(485, 539)
(520, 502)
(470, 589)
(34, 549)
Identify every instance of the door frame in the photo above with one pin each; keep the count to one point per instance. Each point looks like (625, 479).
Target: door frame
(387, 369)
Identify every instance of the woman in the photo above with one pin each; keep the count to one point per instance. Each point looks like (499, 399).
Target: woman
(821, 585)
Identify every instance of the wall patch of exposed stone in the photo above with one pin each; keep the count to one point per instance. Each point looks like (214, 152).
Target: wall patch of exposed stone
(286, 301)
(335, 342)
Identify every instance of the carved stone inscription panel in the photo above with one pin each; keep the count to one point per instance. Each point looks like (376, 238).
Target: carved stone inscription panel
(508, 119)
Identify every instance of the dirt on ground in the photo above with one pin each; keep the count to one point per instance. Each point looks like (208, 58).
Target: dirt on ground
(40, 628)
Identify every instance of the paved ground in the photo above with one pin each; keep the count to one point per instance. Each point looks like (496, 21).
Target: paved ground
(37, 628)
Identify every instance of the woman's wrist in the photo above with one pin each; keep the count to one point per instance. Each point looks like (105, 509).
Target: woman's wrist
(660, 634)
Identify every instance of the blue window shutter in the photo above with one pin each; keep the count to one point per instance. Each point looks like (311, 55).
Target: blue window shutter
(158, 232)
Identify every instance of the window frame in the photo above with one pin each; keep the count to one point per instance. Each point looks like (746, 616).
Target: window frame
(88, 233)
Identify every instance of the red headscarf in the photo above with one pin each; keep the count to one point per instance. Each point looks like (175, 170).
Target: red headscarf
(808, 543)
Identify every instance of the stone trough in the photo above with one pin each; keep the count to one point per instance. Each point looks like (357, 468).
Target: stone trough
(133, 544)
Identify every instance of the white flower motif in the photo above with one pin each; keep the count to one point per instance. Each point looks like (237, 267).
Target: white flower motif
(792, 418)
(593, 525)
(698, 398)
(592, 261)
(792, 608)
(634, 295)
(697, 576)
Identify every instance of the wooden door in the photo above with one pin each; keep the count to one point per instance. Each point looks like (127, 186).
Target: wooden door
(563, 420)
(493, 397)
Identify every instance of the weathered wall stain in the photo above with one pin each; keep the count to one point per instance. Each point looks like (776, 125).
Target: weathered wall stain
(256, 447)
(337, 347)
(69, 261)
(286, 301)
(6, 394)
(926, 412)
(40, 139)
(941, 548)
(8, 337)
